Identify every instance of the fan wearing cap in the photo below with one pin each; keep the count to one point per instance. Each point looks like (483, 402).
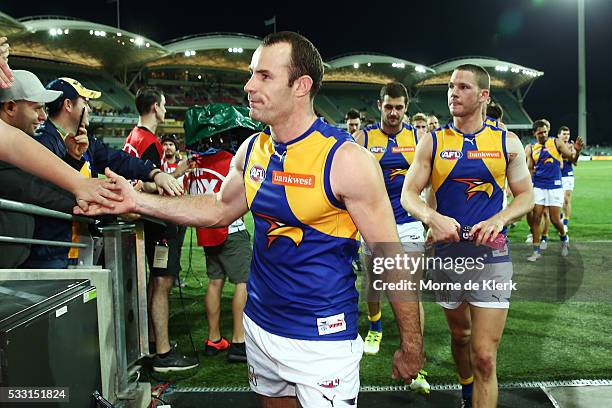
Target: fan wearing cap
(25, 153)
(22, 106)
(65, 134)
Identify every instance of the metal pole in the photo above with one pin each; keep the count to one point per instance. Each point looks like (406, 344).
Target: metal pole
(582, 111)
(118, 16)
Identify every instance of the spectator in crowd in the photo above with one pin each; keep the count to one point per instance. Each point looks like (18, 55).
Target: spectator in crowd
(23, 107)
(142, 143)
(23, 152)
(65, 134)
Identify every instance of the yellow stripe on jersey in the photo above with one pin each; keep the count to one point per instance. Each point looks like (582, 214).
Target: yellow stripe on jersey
(312, 204)
(261, 152)
(490, 150)
(447, 141)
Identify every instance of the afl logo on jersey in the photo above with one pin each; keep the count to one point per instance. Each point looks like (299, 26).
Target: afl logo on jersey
(451, 154)
(257, 173)
(378, 149)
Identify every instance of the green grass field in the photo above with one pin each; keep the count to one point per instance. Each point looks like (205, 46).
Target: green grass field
(565, 334)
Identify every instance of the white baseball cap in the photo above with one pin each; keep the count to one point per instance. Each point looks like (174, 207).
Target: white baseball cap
(27, 87)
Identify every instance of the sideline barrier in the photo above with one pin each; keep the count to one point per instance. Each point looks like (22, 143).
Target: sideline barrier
(121, 293)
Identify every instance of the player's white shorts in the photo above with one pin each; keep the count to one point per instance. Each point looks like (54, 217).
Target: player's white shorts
(548, 197)
(411, 235)
(567, 183)
(321, 374)
(489, 294)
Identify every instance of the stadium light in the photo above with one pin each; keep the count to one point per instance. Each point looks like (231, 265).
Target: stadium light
(369, 64)
(355, 65)
(139, 41)
(419, 68)
(52, 32)
(119, 34)
(66, 31)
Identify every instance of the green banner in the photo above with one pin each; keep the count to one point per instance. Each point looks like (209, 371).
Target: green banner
(205, 121)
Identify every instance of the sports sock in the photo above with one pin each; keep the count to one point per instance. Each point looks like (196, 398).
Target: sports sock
(563, 238)
(467, 384)
(544, 237)
(566, 222)
(376, 322)
(536, 248)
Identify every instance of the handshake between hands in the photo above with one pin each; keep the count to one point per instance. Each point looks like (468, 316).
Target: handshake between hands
(116, 195)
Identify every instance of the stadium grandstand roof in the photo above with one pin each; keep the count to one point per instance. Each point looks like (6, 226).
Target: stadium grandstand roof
(9, 26)
(503, 74)
(228, 51)
(81, 42)
(375, 68)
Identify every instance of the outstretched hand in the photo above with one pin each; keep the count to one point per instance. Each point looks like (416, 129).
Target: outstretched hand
(6, 75)
(121, 193)
(95, 192)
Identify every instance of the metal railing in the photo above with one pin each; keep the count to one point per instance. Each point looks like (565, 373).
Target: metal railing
(9, 205)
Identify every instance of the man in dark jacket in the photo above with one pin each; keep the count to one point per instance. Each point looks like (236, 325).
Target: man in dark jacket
(22, 106)
(65, 134)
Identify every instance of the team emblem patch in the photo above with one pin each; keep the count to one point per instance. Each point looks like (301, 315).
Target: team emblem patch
(257, 173)
(378, 149)
(451, 154)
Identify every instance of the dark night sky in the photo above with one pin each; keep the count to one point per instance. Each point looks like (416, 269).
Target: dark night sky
(539, 34)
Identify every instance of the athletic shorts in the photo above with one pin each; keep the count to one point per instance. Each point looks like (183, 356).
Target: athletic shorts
(548, 197)
(411, 235)
(231, 259)
(488, 295)
(321, 374)
(567, 183)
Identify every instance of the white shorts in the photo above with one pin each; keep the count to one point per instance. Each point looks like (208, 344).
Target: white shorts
(488, 295)
(321, 374)
(411, 235)
(548, 197)
(567, 183)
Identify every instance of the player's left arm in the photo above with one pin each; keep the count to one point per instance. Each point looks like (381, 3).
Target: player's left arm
(357, 181)
(576, 149)
(567, 152)
(519, 181)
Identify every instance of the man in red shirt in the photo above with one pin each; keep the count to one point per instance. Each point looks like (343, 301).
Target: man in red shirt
(159, 240)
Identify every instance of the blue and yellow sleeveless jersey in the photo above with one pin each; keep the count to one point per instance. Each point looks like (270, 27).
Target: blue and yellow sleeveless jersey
(491, 122)
(302, 285)
(395, 153)
(547, 161)
(468, 176)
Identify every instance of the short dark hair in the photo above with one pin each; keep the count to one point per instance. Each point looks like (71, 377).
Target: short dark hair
(540, 123)
(55, 107)
(394, 90)
(563, 128)
(147, 97)
(495, 111)
(352, 114)
(483, 80)
(305, 58)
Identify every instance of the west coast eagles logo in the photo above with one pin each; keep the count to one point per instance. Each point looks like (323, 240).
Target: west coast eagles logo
(476, 185)
(397, 172)
(277, 229)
